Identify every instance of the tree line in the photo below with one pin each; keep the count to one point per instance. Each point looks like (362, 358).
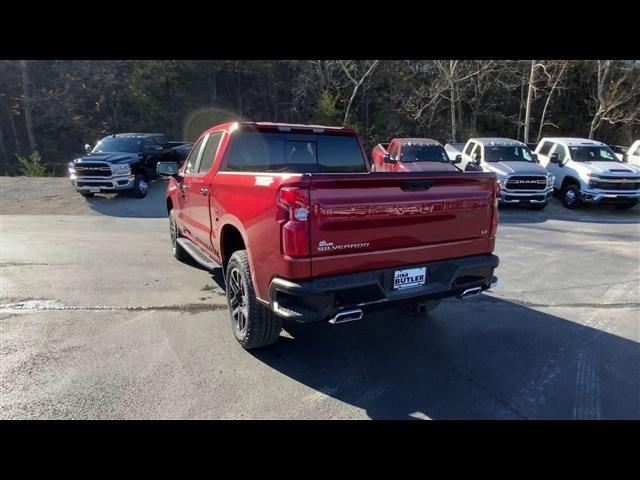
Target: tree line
(54, 107)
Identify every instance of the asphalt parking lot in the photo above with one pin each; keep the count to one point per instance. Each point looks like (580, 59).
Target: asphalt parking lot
(98, 320)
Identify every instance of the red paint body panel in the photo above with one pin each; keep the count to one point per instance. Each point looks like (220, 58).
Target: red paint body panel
(357, 221)
(378, 152)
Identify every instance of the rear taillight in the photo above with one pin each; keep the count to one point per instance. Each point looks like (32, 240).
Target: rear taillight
(495, 214)
(295, 232)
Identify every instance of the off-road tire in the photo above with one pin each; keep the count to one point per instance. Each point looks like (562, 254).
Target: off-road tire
(261, 326)
(174, 233)
(140, 186)
(571, 196)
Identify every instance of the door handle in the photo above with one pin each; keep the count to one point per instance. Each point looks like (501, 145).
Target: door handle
(204, 190)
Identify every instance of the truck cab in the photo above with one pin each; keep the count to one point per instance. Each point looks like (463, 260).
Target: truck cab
(588, 171)
(523, 181)
(411, 155)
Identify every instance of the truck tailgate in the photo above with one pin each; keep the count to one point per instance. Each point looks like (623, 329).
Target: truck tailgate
(379, 220)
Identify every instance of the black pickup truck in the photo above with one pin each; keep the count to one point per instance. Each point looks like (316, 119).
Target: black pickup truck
(124, 161)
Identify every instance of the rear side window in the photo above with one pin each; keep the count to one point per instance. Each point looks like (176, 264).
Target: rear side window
(209, 152)
(546, 147)
(252, 151)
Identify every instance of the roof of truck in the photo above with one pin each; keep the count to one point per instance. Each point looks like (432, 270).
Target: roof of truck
(417, 141)
(136, 135)
(497, 141)
(572, 141)
(285, 127)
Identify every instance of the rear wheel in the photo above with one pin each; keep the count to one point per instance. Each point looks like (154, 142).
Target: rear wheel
(174, 232)
(570, 196)
(253, 324)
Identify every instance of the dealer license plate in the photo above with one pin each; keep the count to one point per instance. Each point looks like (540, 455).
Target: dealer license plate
(409, 278)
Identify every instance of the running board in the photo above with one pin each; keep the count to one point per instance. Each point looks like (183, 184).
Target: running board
(197, 254)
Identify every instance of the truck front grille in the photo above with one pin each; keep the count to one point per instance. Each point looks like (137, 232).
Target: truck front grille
(93, 169)
(527, 183)
(612, 184)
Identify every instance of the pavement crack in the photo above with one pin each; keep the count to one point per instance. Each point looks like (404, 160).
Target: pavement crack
(33, 306)
(524, 303)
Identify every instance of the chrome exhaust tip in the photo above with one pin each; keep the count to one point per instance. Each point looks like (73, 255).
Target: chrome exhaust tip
(470, 292)
(347, 316)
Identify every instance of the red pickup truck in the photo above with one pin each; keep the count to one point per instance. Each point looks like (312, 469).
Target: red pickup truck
(411, 155)
(305, 232)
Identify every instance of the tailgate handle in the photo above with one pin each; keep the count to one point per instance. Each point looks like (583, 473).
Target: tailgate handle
(416, 185)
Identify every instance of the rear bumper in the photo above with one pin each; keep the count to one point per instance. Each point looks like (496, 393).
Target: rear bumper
(84, 184)
(320, 299)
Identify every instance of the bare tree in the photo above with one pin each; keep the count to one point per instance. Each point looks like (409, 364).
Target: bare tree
(352, 71)
(453, 75)
(28, 108)
(554, 86)
(617, 85)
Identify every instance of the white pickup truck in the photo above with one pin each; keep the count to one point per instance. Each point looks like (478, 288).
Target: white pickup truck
(523, 182)
(589, 171)
(632, 157)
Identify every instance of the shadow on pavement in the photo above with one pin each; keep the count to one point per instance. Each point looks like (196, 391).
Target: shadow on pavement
(605, 213)
(505, 361)
(123, 204)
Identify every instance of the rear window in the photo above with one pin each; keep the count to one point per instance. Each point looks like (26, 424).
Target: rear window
(252, 151)
(423, 153)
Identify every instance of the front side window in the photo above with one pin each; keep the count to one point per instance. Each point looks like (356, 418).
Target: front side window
(190, 163)
(209, 152)
(546, 147)
(424, 153)
(469, 148)
(508, 154)
(561, 150)
(593, 154)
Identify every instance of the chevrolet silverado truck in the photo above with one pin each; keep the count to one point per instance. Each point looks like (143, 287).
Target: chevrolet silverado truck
(523, 181)
(587, 171)
(124, 161)
(305, 232)
(411, 155)
(632, 155)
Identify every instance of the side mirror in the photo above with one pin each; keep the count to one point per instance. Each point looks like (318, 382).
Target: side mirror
(458, 159)
(87, 148)
(554, 158)
(155, 149)
(476, 158)
(167, 169)
(387, 159)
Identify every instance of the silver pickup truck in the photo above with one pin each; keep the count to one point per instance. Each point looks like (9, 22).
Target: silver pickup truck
(588, 171)
(523, 181)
